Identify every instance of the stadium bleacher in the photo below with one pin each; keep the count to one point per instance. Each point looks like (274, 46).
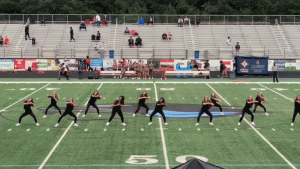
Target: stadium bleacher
(53, 40)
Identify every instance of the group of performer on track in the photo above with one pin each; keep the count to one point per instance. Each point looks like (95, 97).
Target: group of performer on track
(207, 103)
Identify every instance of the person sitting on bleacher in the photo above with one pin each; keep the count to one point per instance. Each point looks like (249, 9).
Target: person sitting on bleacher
(97, 48)
(186, 20)
(164, 36)
(127, 31)
(98, 36)
(1, 40)
(136, 34)
(170, 37)
(130, 42)
(82, 26)
(150, 21)
(180, 22)
(138, 42)
(104, 22)
(33, 41)
(6, 41)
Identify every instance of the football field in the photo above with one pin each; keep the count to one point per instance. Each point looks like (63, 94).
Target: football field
(272, 143)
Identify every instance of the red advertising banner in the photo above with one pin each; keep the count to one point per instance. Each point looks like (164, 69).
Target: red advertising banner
(168, 65)
(19, 64)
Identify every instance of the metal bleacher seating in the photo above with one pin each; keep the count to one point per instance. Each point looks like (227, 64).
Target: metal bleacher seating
(53, 41)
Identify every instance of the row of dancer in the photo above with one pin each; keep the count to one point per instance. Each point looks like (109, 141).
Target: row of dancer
(118, 104)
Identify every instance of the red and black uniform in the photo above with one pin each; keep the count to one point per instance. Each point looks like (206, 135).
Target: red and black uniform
(247, 110)
(28, 111)
(116, 109)
(296, 110)
(54, 104)
(205, 109)
(259, 104)
(68, 111)
(142, 104)
(158, 109)
(92, 102)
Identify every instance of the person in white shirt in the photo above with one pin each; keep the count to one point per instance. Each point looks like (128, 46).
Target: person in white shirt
(228, 42)
(103, 50)
(180, 22)
(98, 18)
(150, 21)
(274, 70)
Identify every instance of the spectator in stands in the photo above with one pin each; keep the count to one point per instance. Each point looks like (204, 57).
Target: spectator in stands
(164, 36)
(237, 49)
(206, 65)
(123, 62)
(27, 32)
(127, 31)
(130, 42)
(98, 36)
(6, 41)
(97, 48)
(88, 63)
(186, 20)
(43, 21)
(180, 22)
(115, 65)
(276, 22)
(103, 49)
(136, 34)
(228, 41)
(104, 22)
(82, 26)
(98, 18)
(170, 37)
(150, 21)
(138, 41)
(71, 34)
(94, 19)
(198, 21)
(28, 21)
(1, 40)
(33, 41)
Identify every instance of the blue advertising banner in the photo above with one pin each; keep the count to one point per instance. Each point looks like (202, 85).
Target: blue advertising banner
(96, 63)
(6, 64)
(252, 64)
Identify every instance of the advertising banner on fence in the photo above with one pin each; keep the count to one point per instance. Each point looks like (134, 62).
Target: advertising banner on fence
(280, 64)
(96, 63)
(252, 65)
(72, 63)
(6, 64)
(290, 65)
(297, 64)
(168, 65)
(37, 64)
(214, 65)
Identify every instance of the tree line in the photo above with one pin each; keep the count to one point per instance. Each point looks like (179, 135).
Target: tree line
(190, 7)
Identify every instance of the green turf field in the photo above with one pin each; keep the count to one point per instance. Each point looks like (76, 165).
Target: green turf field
(271, 143)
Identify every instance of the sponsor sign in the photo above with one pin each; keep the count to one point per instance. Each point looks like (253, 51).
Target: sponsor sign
(7, 64)
(252, 65)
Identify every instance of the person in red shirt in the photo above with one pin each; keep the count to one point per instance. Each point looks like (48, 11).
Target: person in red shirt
(123, 62)
(6, 41)
(88, 63)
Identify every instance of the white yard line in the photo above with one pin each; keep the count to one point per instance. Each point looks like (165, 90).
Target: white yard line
(275, 92)
(138, 82)
(162, 134)
(61, 138)
(274, 148)
(22, 99)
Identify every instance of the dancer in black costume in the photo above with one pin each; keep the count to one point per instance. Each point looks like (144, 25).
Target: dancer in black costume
(116, 108)
(142, 100)
(70, 106)
(246, 109)
(261, 99)
(297, 109)
(206, 105)
(158, 109)
(27, 106)
(92, 102)
(54, 98)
